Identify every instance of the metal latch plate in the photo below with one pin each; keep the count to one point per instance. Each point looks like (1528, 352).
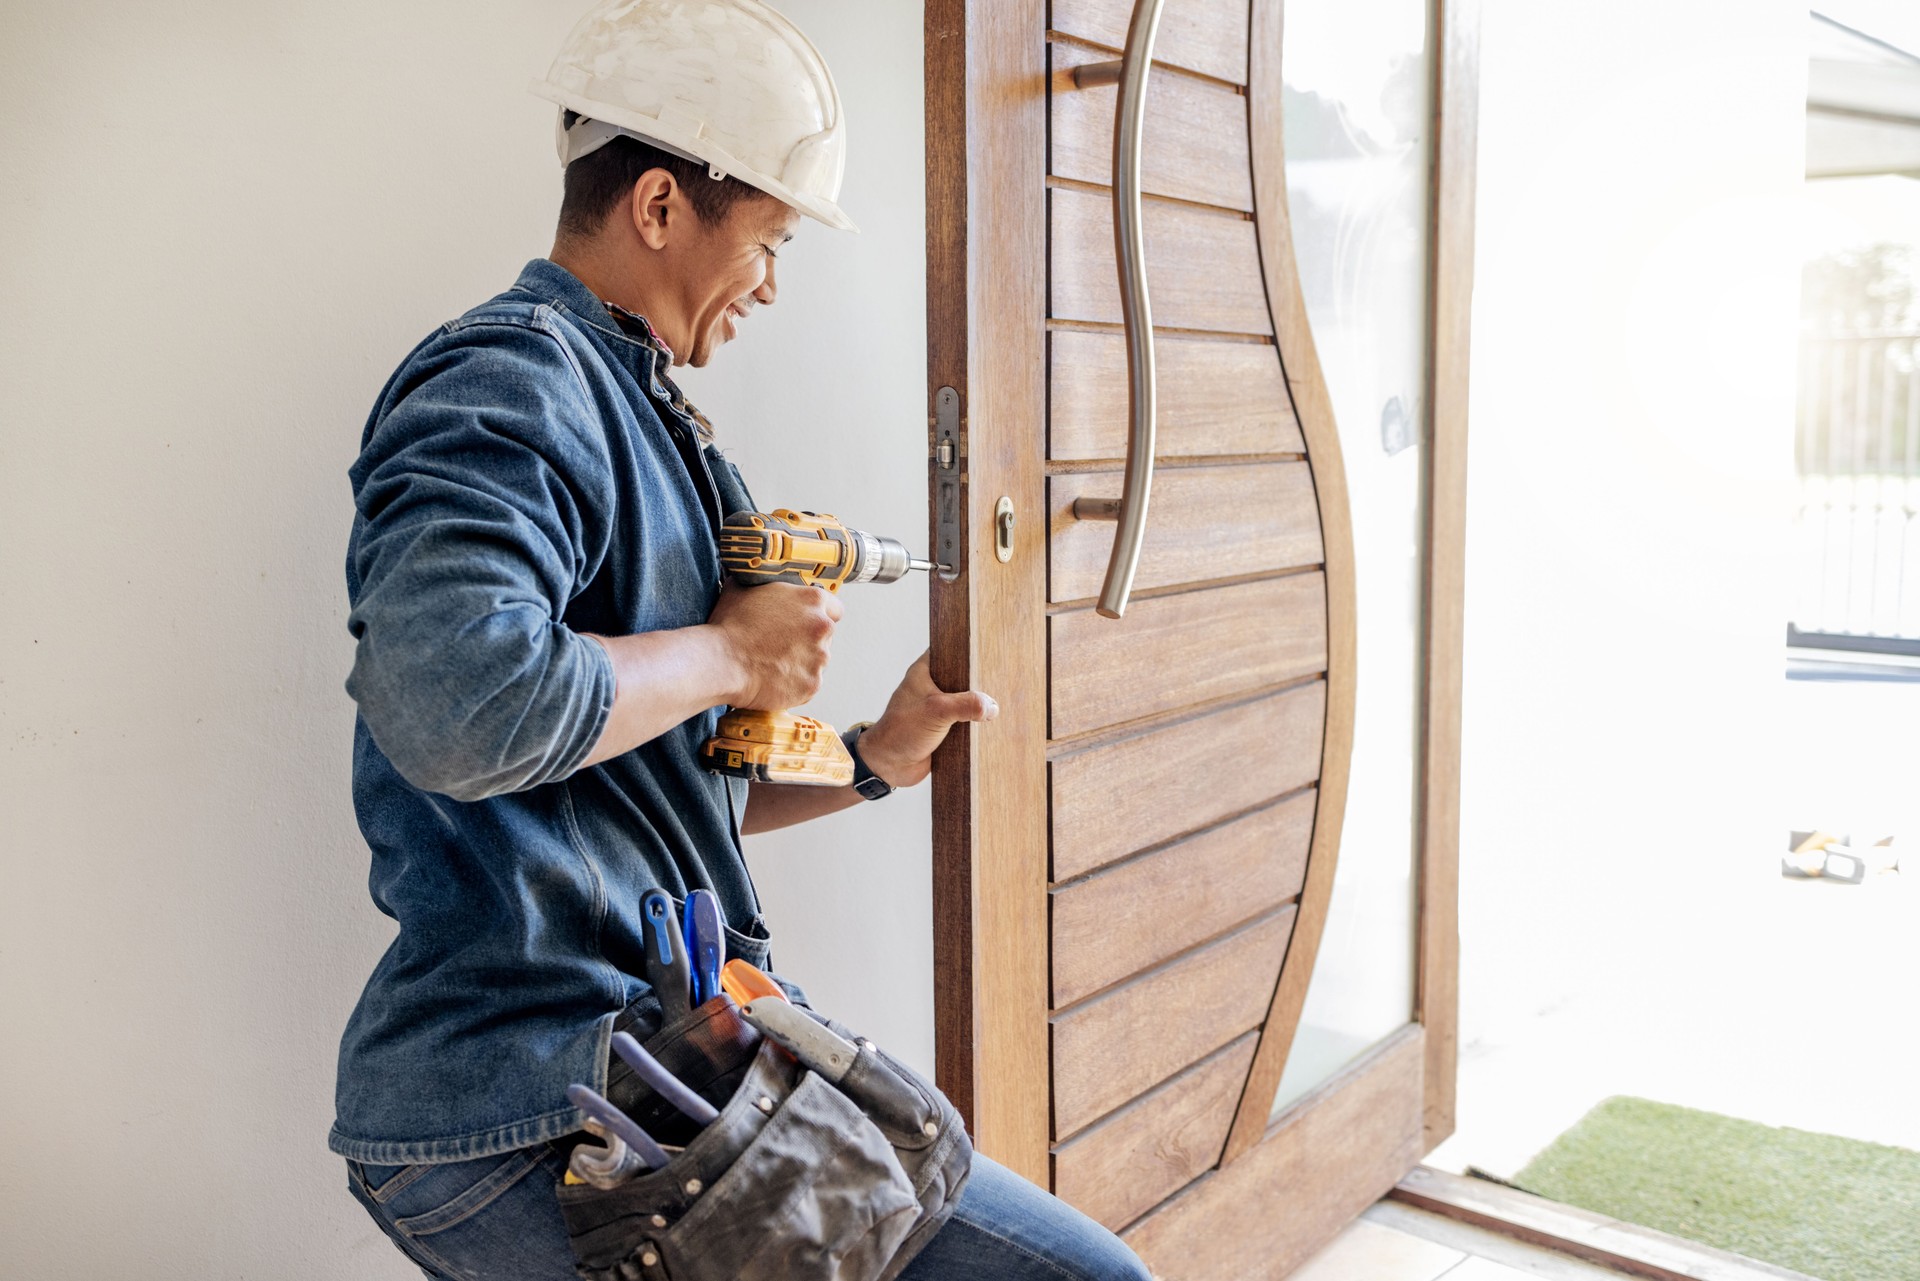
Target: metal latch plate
(946, 483)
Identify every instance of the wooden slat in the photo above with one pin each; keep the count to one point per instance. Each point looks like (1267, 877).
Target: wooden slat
(1205, 523)
(1437, 998)
(1194, 147)
(1227, 398)
(1327, 1159)
(1122, 1044)
(1177, 651)
(1208, 36)
(1203, 267)
(986, 120)
(1155, 1145)
(1626, 1248)
(1134, 794)
(1132, 917)
(1314, 406)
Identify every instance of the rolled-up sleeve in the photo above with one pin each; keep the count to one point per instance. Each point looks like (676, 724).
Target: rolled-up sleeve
(484, 498)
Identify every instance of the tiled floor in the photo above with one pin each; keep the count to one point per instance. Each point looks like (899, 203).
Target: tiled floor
(1394, 1242)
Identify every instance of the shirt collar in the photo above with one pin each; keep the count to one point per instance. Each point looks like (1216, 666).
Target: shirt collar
(548, 280)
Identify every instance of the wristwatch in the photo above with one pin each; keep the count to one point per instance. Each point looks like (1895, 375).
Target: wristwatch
(869, 784)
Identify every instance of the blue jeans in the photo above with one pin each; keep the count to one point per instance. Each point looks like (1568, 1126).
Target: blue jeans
(497, 1219)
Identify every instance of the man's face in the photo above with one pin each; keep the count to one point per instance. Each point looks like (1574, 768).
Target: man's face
(726, 271)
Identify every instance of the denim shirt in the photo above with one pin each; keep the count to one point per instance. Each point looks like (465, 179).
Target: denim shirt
(528, 474)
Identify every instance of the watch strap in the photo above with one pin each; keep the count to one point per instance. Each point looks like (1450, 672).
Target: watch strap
(868, 784)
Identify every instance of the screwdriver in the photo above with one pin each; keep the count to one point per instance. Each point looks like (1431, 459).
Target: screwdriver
(706, 944)
(666, 955)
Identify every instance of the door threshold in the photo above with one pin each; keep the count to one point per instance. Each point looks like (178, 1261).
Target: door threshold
(1625, 1248)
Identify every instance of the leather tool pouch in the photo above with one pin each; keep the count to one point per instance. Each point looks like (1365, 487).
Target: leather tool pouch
(798, 1180)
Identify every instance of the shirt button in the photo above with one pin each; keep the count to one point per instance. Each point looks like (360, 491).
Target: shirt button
(694, 1186)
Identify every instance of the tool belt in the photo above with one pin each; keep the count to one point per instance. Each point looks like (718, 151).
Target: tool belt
(799, 1179)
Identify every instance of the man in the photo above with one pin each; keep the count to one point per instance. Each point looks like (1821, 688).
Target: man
(544, 643)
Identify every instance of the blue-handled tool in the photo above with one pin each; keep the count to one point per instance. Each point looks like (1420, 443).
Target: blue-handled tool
(666, 954)
(664, 1083)
(706, 944)
(618, 1124)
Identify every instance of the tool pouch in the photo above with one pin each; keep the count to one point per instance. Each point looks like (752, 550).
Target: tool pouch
(798, 1180)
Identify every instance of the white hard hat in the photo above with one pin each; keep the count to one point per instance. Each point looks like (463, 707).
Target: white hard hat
(727, 82)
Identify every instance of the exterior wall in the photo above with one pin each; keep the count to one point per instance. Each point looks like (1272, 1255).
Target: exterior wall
(223, 225)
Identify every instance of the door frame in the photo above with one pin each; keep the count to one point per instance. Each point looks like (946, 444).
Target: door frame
(986, 145)
(986, 114)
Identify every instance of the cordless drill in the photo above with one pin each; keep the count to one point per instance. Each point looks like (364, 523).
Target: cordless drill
(809, 549)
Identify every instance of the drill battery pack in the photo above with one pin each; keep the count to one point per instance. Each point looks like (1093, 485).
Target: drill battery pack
(775, 747)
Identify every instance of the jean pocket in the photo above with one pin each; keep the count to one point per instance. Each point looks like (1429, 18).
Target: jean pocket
(381, 1183)
(472, 1195)
(496, 1217)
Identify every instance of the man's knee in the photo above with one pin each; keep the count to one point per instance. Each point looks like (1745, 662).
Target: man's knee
(1022, 1230)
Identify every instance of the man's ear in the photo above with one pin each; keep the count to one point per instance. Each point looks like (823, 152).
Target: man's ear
(656, 206)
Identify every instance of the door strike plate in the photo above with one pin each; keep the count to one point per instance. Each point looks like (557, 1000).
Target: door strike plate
(946, 483)
(1003, 529)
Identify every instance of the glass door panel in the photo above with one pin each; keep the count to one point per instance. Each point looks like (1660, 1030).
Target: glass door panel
(1358, 84)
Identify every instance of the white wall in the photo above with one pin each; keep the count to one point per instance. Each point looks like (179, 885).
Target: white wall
(1632, 409)
(223, 224)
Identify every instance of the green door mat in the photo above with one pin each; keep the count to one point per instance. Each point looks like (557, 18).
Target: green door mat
(1833, 1208)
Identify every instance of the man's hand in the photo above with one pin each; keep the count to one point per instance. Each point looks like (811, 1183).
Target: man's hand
(778, 635)
(764, 648)
(899, 747)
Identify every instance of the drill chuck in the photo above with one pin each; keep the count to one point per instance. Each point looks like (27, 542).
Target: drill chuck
(881, 559)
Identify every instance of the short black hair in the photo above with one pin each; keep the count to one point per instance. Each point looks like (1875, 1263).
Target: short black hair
(601, 179)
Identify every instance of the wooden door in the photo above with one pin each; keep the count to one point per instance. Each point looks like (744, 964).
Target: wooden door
(1134, 864)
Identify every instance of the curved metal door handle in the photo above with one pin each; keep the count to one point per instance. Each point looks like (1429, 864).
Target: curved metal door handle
(1130, 253)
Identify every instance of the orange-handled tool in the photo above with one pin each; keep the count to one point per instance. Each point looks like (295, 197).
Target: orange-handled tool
(746, 984)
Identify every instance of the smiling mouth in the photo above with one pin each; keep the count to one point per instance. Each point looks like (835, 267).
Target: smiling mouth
(735, 313)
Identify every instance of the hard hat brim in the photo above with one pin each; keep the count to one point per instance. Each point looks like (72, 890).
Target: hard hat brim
(648, 129)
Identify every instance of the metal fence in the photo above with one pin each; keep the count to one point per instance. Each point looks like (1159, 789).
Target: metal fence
(1857, 542)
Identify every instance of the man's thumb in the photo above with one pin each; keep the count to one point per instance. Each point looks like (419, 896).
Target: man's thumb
(970, 706)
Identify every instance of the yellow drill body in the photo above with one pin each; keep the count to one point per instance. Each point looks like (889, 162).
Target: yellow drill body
(809, 549)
